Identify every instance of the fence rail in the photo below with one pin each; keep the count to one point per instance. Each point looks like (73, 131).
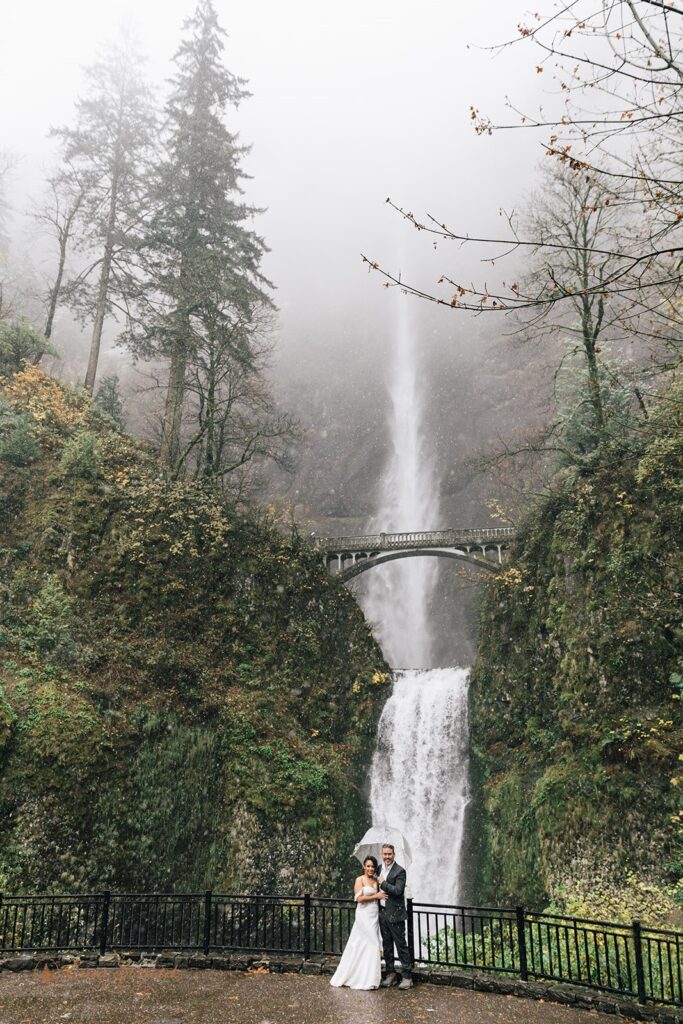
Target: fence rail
(628, 960)
(423, 538)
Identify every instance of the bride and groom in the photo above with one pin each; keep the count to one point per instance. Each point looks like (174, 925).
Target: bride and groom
(380, 923)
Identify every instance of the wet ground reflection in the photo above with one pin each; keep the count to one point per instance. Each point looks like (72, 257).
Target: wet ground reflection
(131, 995)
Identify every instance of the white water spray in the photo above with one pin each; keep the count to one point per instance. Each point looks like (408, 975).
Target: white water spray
(419, 771)
(419, 776)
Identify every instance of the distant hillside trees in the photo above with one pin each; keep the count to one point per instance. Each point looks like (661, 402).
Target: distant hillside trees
(57, 215)
(597, 335)
(100, 191)
(6, 164)
(603, 243)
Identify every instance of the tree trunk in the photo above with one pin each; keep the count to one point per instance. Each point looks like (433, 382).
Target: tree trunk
(594, 389)
(103, 287)
(64, 236)
(173, 412)
(590, 331)
(54, 296)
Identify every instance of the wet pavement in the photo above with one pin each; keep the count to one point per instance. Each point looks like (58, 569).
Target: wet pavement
(130, 995)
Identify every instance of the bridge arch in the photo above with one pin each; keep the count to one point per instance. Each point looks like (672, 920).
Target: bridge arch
(369, 563)
(348, 557)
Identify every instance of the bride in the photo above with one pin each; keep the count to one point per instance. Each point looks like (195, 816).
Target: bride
(360, 965)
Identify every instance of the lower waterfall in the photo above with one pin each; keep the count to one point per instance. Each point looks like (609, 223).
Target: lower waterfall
(419, 776)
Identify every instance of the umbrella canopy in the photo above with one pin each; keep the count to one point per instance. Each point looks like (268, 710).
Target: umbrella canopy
(374, 839)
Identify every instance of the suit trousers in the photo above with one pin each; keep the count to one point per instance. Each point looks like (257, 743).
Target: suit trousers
(394, 934)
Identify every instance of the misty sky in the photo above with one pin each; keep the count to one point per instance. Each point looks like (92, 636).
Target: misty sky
(351, 103)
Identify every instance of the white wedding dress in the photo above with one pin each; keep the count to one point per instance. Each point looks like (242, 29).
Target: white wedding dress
(360, 965)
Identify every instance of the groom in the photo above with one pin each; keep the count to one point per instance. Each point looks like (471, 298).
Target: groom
(392, 919)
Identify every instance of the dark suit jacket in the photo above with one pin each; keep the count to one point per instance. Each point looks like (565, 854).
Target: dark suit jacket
(394, 905)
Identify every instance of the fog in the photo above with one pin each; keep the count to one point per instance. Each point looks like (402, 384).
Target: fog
(350, 104)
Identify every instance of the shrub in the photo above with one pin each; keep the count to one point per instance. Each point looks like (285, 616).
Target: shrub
(51, 404)
(52, 620)
(80, 457)
(18, 442)
(20, 342)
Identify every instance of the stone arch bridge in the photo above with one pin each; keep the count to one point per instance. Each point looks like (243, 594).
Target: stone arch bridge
(347, 557)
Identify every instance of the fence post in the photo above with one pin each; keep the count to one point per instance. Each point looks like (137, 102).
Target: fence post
(307, 926)
(207, 921)
(521, 942)
(411, 928)
(640, 972)
(104, 928)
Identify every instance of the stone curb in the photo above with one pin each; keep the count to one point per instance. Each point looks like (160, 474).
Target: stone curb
(568, 995)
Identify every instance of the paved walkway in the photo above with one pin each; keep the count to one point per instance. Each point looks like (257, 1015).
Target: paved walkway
(129, 995)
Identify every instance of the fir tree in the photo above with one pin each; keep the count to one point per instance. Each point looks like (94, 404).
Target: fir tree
(201, 263)
(108, 399)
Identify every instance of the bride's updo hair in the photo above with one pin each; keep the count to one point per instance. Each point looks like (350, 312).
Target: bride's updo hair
(373, 861)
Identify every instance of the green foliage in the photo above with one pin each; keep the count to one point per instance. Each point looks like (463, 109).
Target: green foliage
(18, 441)
(194, 698)
(52, 621)
(579, 429)
(20, 341)
(7, 720)
(575, 711)
(159, 826)
(80, 456)
(587, 954)
(108, 399)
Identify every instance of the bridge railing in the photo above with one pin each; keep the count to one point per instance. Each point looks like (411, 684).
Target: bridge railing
(628, 960)
(424, 538)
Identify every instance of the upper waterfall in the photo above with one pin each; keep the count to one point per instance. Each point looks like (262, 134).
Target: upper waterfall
(397, 597)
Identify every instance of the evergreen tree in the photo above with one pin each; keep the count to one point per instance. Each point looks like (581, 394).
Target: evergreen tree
(108, 398)
(105, 152)
(201, 263)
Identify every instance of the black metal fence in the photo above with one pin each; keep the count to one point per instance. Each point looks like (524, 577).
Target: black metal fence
(628, 960)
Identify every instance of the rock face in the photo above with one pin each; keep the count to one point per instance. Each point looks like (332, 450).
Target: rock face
(187, 699)
(575, 697)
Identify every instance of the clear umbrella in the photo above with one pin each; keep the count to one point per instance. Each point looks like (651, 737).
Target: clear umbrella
(375, 838)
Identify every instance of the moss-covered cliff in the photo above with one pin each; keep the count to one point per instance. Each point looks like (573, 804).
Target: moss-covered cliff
(575, 698)
(187, 699)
